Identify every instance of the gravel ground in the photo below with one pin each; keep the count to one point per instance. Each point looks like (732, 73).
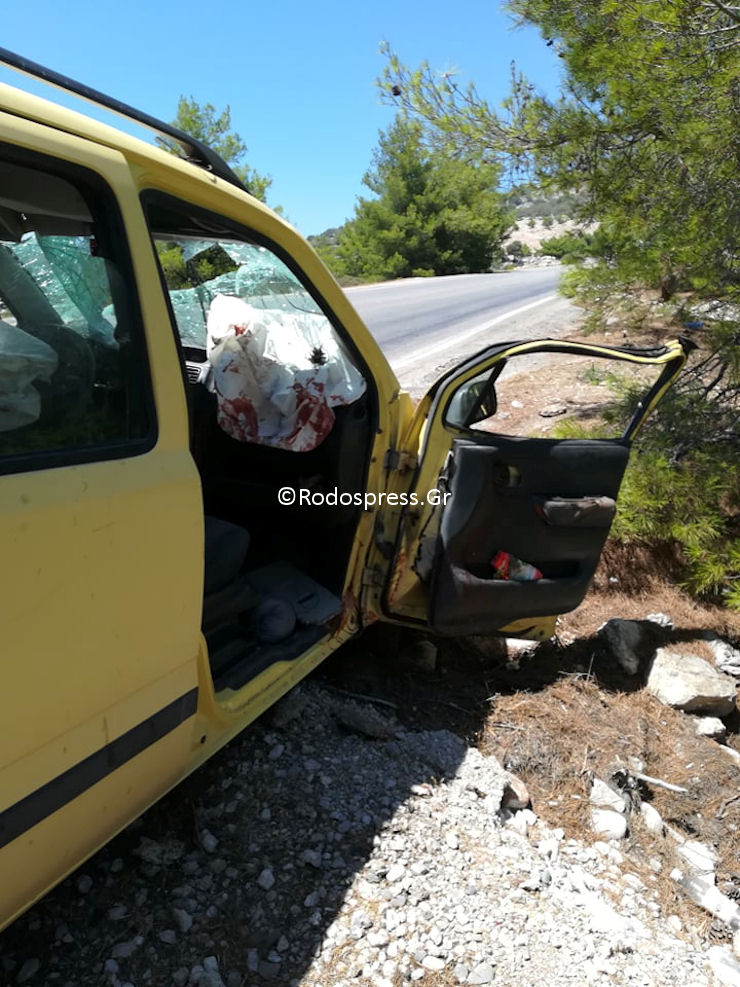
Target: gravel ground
(328, 845)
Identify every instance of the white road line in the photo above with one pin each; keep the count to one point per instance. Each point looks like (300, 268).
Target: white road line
(445, 344)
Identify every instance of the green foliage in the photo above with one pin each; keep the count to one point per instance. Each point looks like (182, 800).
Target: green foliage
(432, 212)
(326, 246)
(518, 250)
(678, 488)
(181, 273)
(206, 124)
(691, 502)
(568, 247)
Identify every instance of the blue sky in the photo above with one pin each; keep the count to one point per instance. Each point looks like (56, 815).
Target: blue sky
(299, 77)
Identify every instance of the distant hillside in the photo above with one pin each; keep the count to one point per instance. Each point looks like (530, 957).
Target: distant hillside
(541, 215)
(531, 202)
(329, 238)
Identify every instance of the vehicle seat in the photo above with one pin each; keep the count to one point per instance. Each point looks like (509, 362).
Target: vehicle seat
(226, 548)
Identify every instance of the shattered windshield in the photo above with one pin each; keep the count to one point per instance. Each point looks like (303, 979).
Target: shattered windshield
(197, 271)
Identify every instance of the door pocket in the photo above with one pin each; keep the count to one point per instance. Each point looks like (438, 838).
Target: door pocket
(466, 603)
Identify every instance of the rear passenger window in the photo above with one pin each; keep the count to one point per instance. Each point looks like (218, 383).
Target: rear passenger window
(74, 383)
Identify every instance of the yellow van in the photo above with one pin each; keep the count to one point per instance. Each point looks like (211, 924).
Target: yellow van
(210, 478)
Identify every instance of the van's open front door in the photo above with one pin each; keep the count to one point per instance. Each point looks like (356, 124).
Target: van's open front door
(528, 508)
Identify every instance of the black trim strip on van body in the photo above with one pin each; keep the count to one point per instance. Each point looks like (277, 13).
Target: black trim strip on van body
(16, 819)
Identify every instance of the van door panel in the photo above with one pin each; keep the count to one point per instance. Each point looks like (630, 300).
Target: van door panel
(101, 591)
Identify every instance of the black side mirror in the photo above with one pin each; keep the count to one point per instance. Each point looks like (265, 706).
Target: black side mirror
(475, 401)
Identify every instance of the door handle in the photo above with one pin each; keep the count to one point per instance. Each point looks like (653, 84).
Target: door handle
(576, 512)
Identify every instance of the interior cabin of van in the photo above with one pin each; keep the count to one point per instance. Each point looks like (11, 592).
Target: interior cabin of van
(277, 399)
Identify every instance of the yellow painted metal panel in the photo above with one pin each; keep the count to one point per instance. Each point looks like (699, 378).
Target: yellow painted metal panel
(101, 594)
(55, 847)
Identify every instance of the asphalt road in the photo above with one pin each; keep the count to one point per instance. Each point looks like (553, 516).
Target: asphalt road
(429, 316)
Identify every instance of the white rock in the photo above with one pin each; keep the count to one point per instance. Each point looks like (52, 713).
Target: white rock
(433, 963)
(29, 969)
(687, 682)
(549, 849)
(290, 708)
(736, 944)
(701, 889)
(633, 881)
(124, 950)
(312, 857)
(208, 841)
(395, 873)
(84, 884)
(483, 973)
(520, 646)
(183, 919)
(520, 821)
(604, 795)
(608, 823)
(602, 918)
(710, 726)
(726, 657)
(699, 858)
(652, 819)
(423, 791)
(661, 619)
(423, 655)
(724, 966)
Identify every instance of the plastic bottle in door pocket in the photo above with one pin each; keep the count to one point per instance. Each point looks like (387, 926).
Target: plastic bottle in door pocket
(507, 566)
